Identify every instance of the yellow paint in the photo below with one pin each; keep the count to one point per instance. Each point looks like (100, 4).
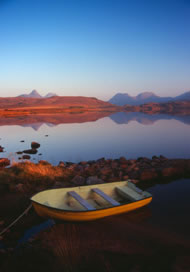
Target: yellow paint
(45, 211)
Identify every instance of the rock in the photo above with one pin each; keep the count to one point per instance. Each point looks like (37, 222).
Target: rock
(124, 166)
(35, 145)
(61, 164)
(154, 158)
(101, 160)
(122, 160)
(78, 180)
(26, 157)
(126, 177)
(4, 162)
(114, 165)
(1, 148)
(143, 160)
(131, 162)
(79, 168)
(162, 157)
(40, 154)
(19, 152)
(131, 168)
(43, 162)
(30, 151)
(22, 141)
(105, 171)
(94, 180)
(91, 162)
(134, 175)
(46, 135)
(83, 163)
(148, 174)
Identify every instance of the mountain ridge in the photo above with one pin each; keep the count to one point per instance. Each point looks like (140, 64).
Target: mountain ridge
(121, 99)
(35, 94)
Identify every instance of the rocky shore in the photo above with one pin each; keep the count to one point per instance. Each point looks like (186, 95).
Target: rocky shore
(21, 180)
(27, 177)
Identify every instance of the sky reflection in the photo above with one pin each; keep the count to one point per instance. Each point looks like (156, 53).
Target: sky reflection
(103, 138)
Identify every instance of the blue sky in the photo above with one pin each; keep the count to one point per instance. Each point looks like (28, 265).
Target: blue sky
(94, 47)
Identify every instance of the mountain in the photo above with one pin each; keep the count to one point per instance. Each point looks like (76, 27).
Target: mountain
(70, 103)
(184, 96)
(33, 94)
(122, 99)
(50, 95)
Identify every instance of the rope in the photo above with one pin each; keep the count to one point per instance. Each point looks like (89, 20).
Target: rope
(16, 220)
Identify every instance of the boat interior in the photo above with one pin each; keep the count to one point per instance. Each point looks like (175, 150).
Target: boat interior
(92, 197)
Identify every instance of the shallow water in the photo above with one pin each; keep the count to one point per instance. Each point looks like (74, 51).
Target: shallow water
(121, 134)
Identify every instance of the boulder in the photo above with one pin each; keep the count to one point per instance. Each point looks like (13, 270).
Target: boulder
(126, 177)
(61, 164)
(35, 145)
(78, 180)
(83, 163)
(26, 157)
(19, 152)
(163, 158)
(94, 180)
(123, 160)
(105, 171)
(30, 151)
(148, 174)
(1, 148)
(43, 162)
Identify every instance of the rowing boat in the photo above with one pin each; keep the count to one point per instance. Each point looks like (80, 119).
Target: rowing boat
(90, 202)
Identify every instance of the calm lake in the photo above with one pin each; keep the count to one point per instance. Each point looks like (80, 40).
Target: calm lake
(121, 134)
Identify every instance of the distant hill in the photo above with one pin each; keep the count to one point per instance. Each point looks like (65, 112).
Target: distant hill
(35, 94)
(50, 95)
(122, 99)
(71, 102)
(183, 97)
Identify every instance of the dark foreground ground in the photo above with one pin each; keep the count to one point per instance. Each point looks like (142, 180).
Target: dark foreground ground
(154, 238)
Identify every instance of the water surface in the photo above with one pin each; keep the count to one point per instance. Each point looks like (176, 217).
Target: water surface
(122, 134)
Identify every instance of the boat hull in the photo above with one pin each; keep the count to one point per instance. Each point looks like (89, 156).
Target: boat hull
(54, 213)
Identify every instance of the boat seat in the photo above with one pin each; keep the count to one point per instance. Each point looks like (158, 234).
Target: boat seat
(106, 197)
(81, 200)
(129, 193)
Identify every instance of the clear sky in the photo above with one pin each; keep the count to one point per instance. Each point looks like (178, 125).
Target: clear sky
(94, 47)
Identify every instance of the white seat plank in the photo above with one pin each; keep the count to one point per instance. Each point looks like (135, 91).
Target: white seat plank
(81, 200)
(106, 197)
(129, 193)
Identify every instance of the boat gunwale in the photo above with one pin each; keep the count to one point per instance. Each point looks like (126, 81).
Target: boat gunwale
(89, 211)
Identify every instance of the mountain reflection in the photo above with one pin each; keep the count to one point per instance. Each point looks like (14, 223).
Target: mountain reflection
(146, 119)
(51, 120)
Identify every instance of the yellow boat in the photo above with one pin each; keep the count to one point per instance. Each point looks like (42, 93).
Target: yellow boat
(90, 202)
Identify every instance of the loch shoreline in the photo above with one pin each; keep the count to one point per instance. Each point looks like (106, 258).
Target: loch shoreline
(18, 182)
